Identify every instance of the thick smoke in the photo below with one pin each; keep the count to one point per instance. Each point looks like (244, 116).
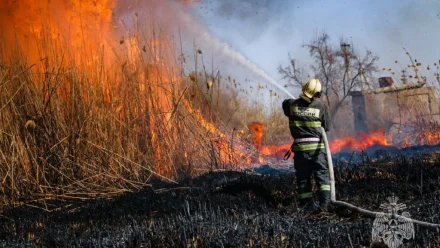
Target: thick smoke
(177, 19)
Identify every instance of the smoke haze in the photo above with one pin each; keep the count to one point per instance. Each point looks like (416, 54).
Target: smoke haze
(266, 31)
(256, 35)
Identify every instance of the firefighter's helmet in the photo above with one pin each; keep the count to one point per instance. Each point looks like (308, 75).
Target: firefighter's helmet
(312, 87)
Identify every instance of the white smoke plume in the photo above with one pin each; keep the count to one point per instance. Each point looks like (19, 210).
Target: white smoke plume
(193, 29)
(219, 46)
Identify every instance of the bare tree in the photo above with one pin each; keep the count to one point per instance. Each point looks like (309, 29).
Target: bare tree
(339, 69)
(295, 75)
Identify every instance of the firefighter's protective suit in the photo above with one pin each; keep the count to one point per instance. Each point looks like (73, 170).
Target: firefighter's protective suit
(306, 115)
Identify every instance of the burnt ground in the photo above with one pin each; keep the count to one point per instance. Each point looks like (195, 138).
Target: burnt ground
(236, 209)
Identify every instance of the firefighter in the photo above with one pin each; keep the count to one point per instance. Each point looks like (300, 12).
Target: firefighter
(307, 115)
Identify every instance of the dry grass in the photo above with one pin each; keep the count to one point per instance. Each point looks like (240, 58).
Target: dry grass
(69, 130)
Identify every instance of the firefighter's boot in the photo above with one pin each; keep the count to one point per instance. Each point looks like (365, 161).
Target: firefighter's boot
(324, 199)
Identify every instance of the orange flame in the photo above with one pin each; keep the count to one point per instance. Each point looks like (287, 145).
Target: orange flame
(424, 135)
(79, 26)
(85, 36)
(277, 151)
(258, 131)
(362, 141)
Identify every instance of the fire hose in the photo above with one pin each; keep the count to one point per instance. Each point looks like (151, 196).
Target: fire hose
(362, 211)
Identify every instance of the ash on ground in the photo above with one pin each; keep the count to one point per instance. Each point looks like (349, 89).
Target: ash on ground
(285, 168)
(234, 209)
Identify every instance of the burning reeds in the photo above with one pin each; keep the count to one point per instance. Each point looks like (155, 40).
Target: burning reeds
(85, 115)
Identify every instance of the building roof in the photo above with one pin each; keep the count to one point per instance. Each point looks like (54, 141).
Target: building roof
(392, 88)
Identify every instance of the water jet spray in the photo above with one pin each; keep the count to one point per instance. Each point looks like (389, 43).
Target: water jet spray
(224, 48)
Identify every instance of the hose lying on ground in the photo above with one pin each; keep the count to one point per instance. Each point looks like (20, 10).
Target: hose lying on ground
(362, 211)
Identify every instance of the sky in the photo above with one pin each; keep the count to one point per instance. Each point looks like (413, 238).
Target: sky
(267, 31)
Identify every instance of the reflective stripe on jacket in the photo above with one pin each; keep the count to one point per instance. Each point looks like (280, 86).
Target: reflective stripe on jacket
(305, 121)
(307, 147)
